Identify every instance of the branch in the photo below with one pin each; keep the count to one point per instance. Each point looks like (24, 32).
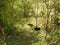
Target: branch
(47, 18)
(3, 33)
(52, 42)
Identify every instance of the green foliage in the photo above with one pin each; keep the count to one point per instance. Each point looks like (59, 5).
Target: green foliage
(15, 14)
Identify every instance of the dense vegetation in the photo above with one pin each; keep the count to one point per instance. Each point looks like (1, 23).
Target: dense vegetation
(19, 19)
